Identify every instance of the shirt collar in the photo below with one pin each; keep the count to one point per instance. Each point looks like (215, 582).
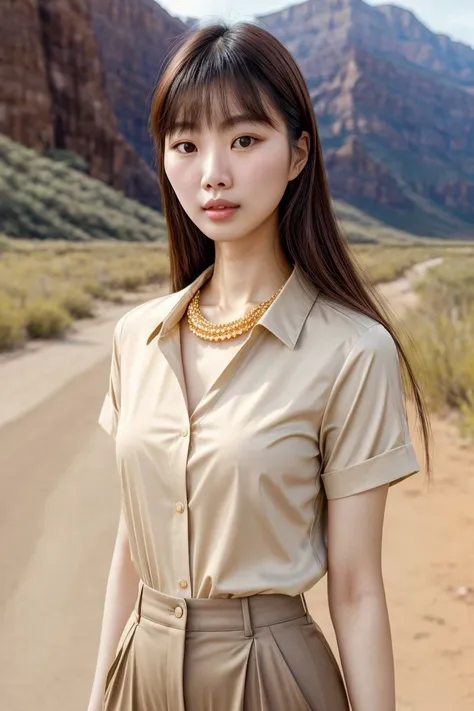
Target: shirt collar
(285, 317)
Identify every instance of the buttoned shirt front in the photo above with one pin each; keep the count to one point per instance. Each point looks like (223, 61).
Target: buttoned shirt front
(232, 500)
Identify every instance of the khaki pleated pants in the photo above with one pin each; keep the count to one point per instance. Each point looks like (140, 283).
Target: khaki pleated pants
(257, 653)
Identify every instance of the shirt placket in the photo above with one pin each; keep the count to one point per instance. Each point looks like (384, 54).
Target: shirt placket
(180, 532)
(178, 469)
(170, 348)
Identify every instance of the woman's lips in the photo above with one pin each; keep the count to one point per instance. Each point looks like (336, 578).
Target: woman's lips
(221, 213)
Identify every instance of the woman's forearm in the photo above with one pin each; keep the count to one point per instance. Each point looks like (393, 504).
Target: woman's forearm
(364, 640)
(120, 596)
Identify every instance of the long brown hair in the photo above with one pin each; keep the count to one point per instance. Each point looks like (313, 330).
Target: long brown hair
(248, 63)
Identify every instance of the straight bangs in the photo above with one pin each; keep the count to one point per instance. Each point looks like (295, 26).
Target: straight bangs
(213, 90)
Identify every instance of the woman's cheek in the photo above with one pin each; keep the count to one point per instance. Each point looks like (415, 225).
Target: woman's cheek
(181, 180)
(271, 168)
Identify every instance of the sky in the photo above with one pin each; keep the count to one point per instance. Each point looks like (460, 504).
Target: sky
(449, 17)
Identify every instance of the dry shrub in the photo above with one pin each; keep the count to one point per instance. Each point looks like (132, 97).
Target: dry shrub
(77, 303)
(442, 328)
(12, 329)
(46, 319)
(70, 277)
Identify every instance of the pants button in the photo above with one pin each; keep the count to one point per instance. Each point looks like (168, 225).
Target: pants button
(178, 611)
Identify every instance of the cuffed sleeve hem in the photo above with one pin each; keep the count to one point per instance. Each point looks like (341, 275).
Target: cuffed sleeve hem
(108, 418)
(387, 468)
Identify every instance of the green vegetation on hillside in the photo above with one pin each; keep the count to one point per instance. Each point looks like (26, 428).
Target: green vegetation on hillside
(360, 227)
(44, 198)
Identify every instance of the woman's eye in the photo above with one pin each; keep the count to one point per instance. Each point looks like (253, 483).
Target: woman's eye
(246, 140)
(183, 143)
(244, 137)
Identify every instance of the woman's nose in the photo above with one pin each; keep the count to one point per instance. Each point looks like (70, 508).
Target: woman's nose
(215, 173)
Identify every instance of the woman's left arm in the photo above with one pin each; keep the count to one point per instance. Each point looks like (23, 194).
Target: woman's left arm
(357, 601)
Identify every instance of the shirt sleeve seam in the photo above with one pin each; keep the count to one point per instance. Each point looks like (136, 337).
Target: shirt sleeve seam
(346, 359)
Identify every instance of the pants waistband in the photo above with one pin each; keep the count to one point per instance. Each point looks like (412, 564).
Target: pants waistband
(214, 614)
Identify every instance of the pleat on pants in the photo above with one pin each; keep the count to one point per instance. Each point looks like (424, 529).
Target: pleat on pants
(257, 653)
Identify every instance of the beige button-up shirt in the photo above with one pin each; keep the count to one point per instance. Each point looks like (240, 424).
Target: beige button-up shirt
(233, 500)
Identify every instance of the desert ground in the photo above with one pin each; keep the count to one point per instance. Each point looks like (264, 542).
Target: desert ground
(59, 503)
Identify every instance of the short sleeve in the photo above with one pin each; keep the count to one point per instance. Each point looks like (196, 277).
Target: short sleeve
(110, 411)
(364, 437)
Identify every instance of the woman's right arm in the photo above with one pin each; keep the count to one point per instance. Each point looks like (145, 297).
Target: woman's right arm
(120, 597)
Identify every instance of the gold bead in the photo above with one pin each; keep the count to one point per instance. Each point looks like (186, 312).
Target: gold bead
(209, 331)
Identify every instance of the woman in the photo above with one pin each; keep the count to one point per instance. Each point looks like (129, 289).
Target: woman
(258, 412)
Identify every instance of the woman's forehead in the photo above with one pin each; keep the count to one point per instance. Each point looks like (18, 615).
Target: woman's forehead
(212, 104)
(219, 112)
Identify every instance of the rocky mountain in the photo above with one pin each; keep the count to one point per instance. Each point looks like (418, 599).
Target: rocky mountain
(394, 101)
(135, 37)
(54, 94)
(395, 106)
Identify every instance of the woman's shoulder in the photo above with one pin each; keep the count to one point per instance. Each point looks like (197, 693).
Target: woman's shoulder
(340, 328)
(136, 324)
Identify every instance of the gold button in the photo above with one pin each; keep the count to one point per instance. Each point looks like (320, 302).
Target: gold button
(179, 507)
(184, 432)
(183, 583)
(178, 611)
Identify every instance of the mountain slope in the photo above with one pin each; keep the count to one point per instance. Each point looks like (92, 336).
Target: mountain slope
(53, 93)
(394, 101)
(134, 37)
(45, 199)
(389, 94)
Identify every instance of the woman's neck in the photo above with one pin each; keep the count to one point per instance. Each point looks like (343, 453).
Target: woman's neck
(241, 280)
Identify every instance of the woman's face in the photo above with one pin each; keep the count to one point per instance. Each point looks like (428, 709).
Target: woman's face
(248, 164)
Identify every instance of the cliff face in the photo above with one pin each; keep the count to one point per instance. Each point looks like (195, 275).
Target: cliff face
(394, 101)
(26, 110)
(54, 93)
(389, 93)
(354, 175)
(397, 31)
(135, 37)
(82, 117)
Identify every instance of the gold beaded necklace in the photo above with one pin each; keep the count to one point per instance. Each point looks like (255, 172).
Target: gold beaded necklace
(224, 331)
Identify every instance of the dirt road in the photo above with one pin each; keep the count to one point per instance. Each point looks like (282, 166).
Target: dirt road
(58, 513)
(400, 292)
(428, 563)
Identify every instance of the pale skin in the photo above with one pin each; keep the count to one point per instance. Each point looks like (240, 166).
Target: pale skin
(250, 267)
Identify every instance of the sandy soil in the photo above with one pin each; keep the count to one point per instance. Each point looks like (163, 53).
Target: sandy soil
(59, 510)
(400, 293)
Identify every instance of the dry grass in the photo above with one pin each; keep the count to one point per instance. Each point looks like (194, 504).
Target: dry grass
(442, 331)
(45, 286)
(439, 333)
(386, 262)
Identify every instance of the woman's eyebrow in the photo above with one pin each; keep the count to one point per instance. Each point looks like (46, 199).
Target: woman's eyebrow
(229, 122)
